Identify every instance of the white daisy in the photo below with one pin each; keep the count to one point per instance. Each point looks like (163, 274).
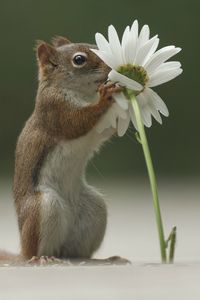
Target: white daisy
(137, 65)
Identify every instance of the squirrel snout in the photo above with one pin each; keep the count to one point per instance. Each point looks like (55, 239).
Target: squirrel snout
(104, 77)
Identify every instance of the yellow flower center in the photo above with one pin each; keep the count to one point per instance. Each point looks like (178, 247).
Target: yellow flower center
(134, 72)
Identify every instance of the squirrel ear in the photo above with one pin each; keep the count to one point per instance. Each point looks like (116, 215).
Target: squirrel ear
(46, 54)
(58, 41)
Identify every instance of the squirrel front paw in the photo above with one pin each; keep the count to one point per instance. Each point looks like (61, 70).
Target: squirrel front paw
(107, 90)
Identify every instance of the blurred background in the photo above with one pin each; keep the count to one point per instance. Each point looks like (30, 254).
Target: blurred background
(175, 145)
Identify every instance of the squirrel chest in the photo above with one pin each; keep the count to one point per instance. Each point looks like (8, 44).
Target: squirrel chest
(65, 194)
(64, 165)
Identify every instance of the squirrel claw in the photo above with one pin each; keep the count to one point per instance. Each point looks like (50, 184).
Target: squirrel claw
(44, 260)
(107, 90)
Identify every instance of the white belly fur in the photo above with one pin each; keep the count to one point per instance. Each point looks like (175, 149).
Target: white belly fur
(66, 196)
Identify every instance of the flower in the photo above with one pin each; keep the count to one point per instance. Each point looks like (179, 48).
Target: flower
(137, 65)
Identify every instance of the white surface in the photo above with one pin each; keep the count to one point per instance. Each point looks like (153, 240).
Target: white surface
(98, 283)
(132, 234)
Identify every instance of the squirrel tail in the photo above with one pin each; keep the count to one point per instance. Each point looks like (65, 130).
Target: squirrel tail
(6, 256)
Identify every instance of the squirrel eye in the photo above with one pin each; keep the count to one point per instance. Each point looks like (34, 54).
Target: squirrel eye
(79, 59)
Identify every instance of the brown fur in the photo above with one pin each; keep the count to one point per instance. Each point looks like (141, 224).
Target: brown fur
(54, 119)
(31, 150)
(64, 120)
(59, 41)
(30, 219)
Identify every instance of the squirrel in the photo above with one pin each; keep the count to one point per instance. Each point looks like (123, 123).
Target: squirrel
(59, 214)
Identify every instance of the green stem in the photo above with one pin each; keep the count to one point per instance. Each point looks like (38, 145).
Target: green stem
(151, 173)
(172, 245)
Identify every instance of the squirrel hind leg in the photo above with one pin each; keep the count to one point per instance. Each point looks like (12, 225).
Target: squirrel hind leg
(88, 233)
(29, 226)
(55, 222)
(45, 225)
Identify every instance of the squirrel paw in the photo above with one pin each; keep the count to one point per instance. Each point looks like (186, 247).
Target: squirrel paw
(107, 90)
(44, 260)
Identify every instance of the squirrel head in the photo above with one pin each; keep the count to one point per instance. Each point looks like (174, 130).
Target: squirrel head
(70, 66)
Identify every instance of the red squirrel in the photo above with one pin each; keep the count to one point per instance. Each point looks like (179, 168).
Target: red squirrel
(59, 214)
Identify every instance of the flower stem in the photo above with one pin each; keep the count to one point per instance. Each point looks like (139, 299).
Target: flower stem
(172, 245)
(151, 173)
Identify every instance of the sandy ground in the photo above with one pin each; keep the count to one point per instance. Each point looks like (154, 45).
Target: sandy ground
(131, 233)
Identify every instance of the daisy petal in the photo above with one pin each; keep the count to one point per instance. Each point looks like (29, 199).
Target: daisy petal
(144, 109)
(158, 102)
(124, 81)
(115, 45)
(144, 51)
(108, 58)
(125, 39)
(130, 47)
(114, 113)
(168, 66)
(163, 76)
(123, 125)
(155, 114)
(143, 36)
(118, 111)
(132, 116)
(151, 51)
(125, 36)
(113, 120)
(101, 42)
(147, 117)
(151, 106)
(134, 28)
(103, 124)
(112, 116)
(121, 100)
(159, 57)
